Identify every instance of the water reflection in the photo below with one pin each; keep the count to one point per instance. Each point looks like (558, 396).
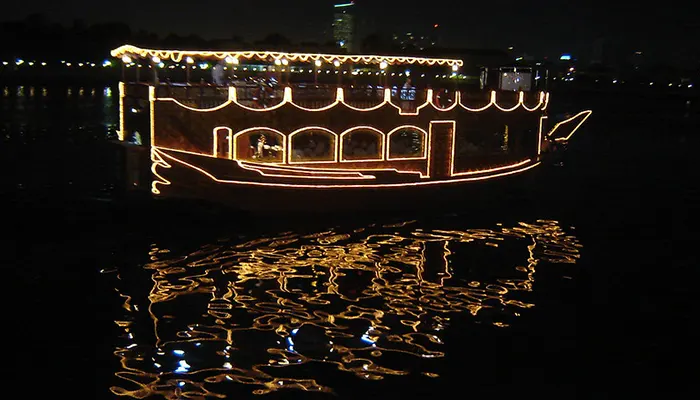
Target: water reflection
(60, 114)
(273, 312)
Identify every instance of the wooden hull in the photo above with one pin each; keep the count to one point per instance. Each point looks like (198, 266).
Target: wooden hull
(284, 201)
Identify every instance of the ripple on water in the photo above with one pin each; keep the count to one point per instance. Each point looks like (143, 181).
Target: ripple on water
(368, 302)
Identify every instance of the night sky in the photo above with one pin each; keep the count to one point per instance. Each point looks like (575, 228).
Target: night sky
(544, 28)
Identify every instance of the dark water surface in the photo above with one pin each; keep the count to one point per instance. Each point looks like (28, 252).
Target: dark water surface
(579, 288)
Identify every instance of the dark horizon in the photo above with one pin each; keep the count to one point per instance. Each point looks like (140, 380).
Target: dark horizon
(664, 36)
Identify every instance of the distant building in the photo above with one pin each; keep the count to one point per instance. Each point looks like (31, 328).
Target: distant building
(474, 59)
(419, 40)
(344, 25)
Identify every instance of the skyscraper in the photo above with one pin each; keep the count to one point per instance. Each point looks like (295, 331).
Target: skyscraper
(344, 25)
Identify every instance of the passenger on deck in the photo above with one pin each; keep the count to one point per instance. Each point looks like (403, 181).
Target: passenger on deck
(259, 153)
(218, 75)
(442, 99)
(405, 96)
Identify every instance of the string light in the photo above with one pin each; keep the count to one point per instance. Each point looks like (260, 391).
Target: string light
(539, 135)
(586, 114)
(284, 171)
(177, 55)
(340, 99)
(375, 131)
(161, 162)
(332, 134)
(406, 164)
(121, 111)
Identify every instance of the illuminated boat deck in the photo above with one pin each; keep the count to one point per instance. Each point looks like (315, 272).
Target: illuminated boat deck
(339, 142)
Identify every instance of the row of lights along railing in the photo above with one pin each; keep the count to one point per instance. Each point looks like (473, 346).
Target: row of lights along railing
(282, 65)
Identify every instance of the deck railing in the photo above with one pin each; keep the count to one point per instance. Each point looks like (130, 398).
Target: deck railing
(316, 96)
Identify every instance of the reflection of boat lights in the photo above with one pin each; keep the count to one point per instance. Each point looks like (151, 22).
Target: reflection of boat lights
(423, 338)
(228, 365)
(294, 331)
(367, 339)
(179, 352)
(183, 367)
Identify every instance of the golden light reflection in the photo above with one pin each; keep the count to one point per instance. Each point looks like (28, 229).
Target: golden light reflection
(365, 301)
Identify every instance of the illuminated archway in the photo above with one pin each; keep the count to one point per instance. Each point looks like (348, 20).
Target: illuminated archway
(362, 143)
(260, 145)
(406, 143)
(221, 142)
(313, 144)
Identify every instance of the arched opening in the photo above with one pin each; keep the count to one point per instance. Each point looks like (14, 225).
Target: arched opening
(258, 93)
(259, 145)
(222, 142)
(362, 144)
(313, 145)
(444, 98)
(407, 142)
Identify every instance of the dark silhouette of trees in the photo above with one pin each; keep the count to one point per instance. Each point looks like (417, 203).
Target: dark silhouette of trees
(377, 44)
(274, 41)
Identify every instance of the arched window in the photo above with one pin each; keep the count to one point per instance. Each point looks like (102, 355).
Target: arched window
(313, 145)
(259, 145)
(407, 142)
(362, 144)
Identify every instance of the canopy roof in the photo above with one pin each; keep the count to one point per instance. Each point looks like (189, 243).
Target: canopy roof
(179, 55)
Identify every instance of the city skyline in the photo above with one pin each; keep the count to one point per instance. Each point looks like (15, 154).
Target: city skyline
(586, 31)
